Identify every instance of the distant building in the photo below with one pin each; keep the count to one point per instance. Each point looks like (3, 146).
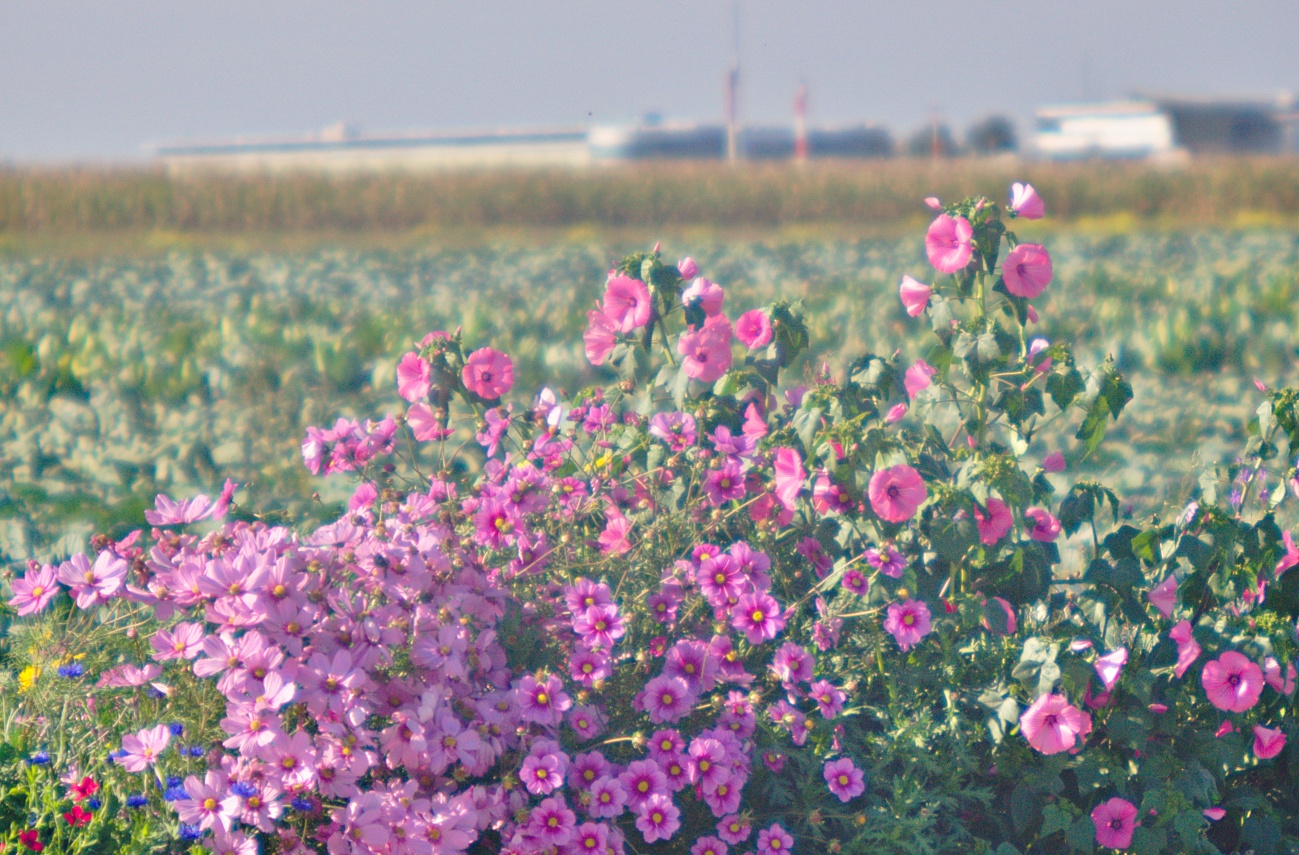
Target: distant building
(1161, 127)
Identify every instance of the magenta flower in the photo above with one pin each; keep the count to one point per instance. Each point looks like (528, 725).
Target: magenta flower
(1042, 525)
(886, 559)
(687, 268)
(608, 798)
(658, 818)
(948, 243)
(753, 329)
(724, 484)
(707, 351)
(1110, 666)
(144, 747)
(774, 840)
(997, 521)
(1272, 674)
(896, 493)
(918, 378)
(1188, 649)
(552, 822)
(854, 580)
(667, 699)
(734, 829)
(488, 373)
(844, 779)
(1053, 463)
(1025, 202)
(1268, 742)
(1051, 724)
(758, 616)
(600, 626)
(33, 592)
(1164, 596)
(542, 775)
(544, 701)
(1232, 682)
(1027, 270)
(705, 295)
(677, 429)
(915, 296)
(600, 337)
(627, 303)
(1291, 557)
(1115, 821)
(908, 622)
(789, 475)
(1213, 814)
(425, 424)
(615, 539)
(641, 780)
(210, 803)
(413, 375)
(709, 845)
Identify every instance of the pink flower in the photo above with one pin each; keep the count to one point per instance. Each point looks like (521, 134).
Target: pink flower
(413, 375)
(734, 829)
(667, 699)
(687, 268)
(1027, 270)
(844, 779)
(896, 493)
(908, 622)
(425, 424)
(1043, 526)
(774, 840)
(706, 351)
(758, 616)
(614, 539)
(627, 303)
(658, 818)
(753, 329)
(1053, 462)
(1164, 596)
(600, 337)
(948, 243)
(542, 702)
(552, 822)
(1188, 649)
(144, 748)
(915, 296)
(996, 523)
(706, 295)
(488, 373)
(709, 845)
(895, 414)
(1232, 682)
(1051, 724)
(1110, 666)
(1115, 821)
(1213, 814)
(1268, 742)
(919, 377)
(789, 475)
(33, 592)
(933, 203)
(1272, 674)
(1025, 202)
(1291, 557)
(210, 802)
(723, 485)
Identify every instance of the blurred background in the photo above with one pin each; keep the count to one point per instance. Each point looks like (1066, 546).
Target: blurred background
(221, 222)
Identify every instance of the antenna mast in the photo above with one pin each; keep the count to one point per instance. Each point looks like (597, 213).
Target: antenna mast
(732, 90)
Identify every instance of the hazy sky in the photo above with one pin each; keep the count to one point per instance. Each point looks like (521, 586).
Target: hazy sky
(106, 79)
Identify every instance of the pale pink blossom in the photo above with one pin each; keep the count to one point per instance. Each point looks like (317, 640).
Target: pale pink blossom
(1232, 682)
(687, 268)
(948, 243)
(895, 414)
(627, 303)
(144, 747)
(1110, 666)
(1052, 725)
(1272, 675)
(919, 377)
(1164, 596)
(34, 591)
(1025, 202)
(488, 373)
(933, 203)
(600, 337)
(706, 351)
(1027, 270)
(995, 523)
(915, 296)
(908, 622)
(1291, 557)
(413, 377)
(707, 295)
(753, 329)
(896, 493)
(1188, 649)
(1213, 814)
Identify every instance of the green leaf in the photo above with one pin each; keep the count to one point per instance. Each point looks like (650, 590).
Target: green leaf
(1188, 824)
(1082, 835)
(1064, 387)
(1025, 807)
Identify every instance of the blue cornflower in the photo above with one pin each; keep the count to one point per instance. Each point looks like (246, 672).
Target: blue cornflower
(135, 800)
(190, 832)
(114, 756)
(301, 803)
(243, 789)
(197, 751)
(175, 793)
(93, 803)
(72, 670)
(40, 758)
(176, 728)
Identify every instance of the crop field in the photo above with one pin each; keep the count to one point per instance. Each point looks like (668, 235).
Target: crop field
(120, 378)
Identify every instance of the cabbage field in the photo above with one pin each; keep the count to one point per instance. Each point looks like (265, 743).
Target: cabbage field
(122, 378)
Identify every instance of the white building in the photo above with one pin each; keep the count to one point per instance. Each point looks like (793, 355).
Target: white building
(1122, 129)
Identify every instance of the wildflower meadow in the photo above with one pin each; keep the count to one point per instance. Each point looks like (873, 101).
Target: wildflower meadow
(700, 603)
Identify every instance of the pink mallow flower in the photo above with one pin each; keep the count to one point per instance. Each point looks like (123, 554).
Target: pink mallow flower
(488, 373)
(1051, 724)
(600, 337)
(918, 378)
(844, 779)
(144, 747)
(1042, 525)
(1027, 270)
(1188, 649)
(1232, 682)
(1115, 821)
(1164, 596)
(915, 296)
(896, 493)
(1053, 463)
(1025, 202)
(1291, 557)
(627, 303)
(995, 523)
(707, 351)
(33, 592)
(753, 329)
(413, 377)
(1268, 742)
(948, 243)
(908, 622)
(1110, 666)
(706, 295)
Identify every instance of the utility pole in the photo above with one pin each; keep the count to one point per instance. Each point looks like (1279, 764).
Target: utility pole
(800, 124)
(733, 91)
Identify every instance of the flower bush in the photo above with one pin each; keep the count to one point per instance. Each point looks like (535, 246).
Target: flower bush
(698, 609)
